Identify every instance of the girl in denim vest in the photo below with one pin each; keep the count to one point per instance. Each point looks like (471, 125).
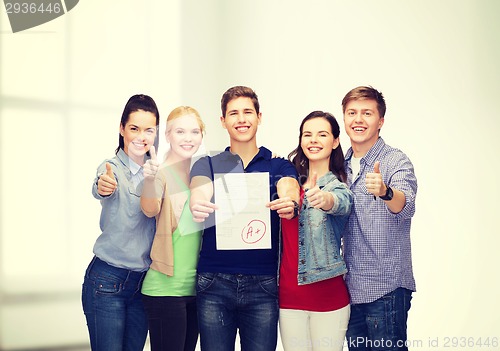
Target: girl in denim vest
(314, 302)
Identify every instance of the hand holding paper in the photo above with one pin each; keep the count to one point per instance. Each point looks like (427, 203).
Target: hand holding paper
(201, 209)
(283, 206)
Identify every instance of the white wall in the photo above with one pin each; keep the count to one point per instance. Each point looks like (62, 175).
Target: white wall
(63, 88)
(64, 84)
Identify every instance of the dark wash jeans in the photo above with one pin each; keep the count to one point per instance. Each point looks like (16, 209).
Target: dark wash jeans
(381, 324)
(228, 302)
(112, 303)
(173, 323)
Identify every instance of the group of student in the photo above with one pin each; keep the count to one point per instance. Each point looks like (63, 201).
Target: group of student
(338, 269)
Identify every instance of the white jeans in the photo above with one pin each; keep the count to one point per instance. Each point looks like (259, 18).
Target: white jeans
(307, 331)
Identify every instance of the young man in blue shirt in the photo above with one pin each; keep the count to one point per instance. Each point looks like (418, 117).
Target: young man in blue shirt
(237, 289)
(377, 247)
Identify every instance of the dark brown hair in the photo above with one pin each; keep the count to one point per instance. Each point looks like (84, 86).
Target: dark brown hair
(136, 103)
(301, 162)
(236, 92)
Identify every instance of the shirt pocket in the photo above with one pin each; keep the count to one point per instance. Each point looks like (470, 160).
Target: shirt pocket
(134, 201)
(315, 219)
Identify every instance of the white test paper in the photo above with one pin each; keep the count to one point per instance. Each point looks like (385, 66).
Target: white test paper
(242, 220)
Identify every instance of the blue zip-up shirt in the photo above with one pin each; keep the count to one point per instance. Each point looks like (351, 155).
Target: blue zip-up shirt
(320, 233)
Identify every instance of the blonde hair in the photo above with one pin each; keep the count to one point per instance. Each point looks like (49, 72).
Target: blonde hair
(184, 111)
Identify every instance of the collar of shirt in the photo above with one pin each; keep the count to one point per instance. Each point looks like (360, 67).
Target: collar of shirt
(371, 155)
(128, 162)
(263, 153)
(134, 168)
(325, 179)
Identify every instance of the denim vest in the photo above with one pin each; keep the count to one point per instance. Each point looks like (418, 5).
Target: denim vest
(320, 233)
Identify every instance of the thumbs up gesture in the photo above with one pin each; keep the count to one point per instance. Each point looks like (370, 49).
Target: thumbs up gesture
(374, 183)
(106, 184)
(150, 168)
(316, 197)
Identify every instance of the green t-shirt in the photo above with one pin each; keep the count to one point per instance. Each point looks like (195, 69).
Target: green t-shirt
(186, 242)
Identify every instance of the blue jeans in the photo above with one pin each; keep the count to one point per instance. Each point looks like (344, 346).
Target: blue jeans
(228, 302)
(381, 324)
(112, 303)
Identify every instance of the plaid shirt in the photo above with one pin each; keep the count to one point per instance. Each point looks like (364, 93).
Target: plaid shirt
(377, 245)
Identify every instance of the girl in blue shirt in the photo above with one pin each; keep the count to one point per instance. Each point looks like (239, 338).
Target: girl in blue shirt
(111, 293)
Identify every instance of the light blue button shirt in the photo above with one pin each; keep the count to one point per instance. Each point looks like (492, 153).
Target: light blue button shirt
(127, 234)
(376, 241)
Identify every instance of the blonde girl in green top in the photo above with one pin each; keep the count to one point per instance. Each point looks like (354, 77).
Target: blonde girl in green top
(169, 286)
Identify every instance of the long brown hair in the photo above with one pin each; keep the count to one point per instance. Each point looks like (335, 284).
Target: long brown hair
(301, 162)
(136, 103)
